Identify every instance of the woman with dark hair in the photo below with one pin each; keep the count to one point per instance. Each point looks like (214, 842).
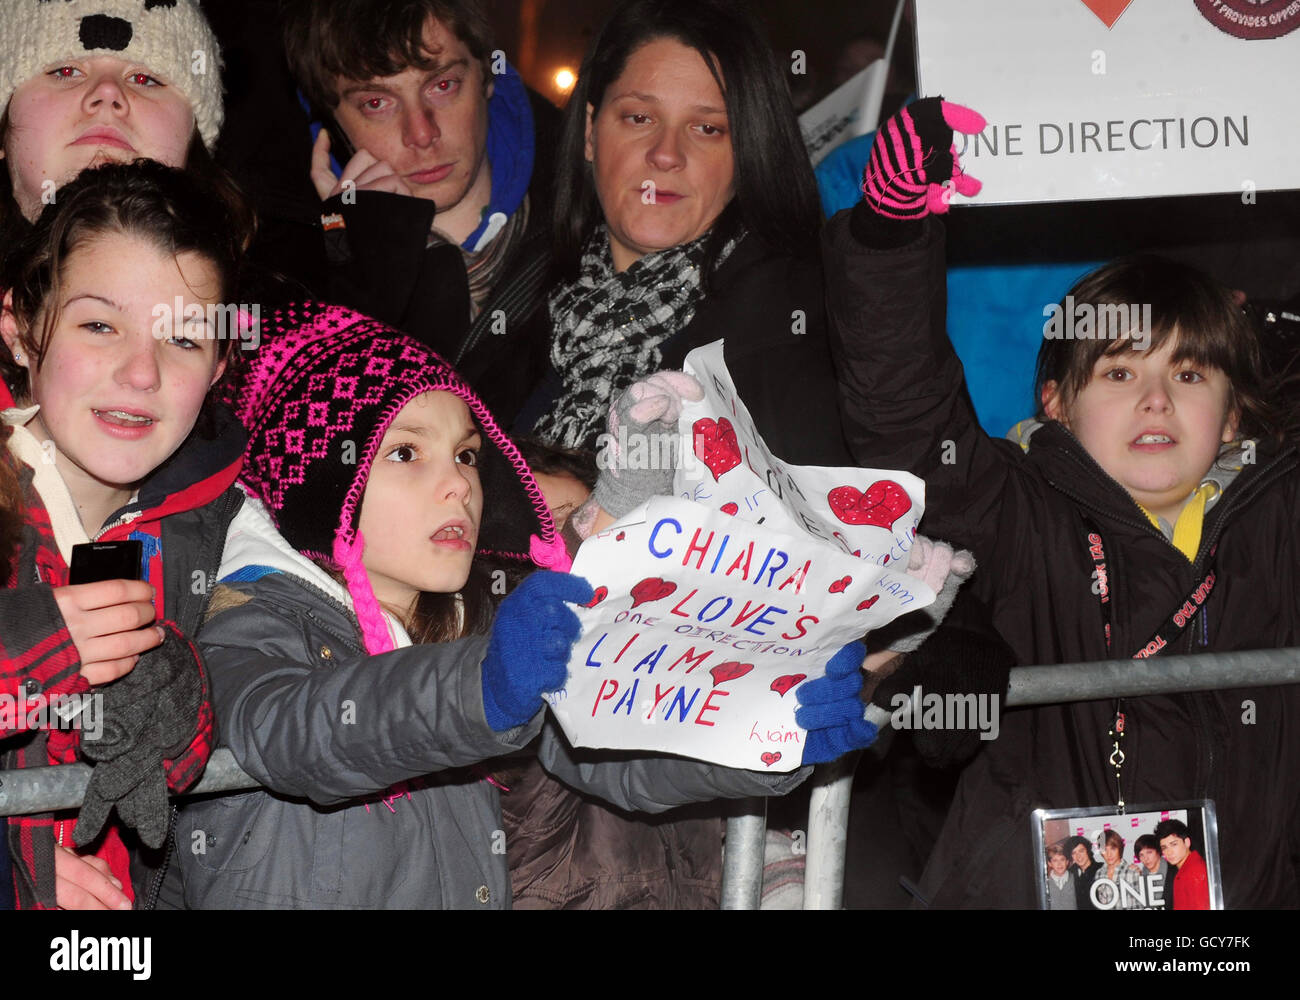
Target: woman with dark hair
(686, 211)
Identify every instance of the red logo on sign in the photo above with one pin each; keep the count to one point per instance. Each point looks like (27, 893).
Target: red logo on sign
(1108, 10)
(1252, 19)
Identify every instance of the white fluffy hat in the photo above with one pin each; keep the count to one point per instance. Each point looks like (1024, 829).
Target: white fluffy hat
(171, 37)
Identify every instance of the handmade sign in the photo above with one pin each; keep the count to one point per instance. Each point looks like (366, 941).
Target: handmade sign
(712, 607)
(1090, 99)
(869, 513)
(703, 626)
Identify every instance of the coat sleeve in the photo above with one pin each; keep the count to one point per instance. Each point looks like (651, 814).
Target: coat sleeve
(346, 726)
(903, 397)
(37, 654)
(654, 783)
(379, 263)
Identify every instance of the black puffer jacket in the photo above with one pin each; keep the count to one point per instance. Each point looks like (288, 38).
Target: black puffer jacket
(1026, 517)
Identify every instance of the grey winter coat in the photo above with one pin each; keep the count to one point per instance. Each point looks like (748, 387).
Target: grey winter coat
(333, 733)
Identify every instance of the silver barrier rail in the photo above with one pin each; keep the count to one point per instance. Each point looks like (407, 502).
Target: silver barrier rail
(51, 789)
(1044, 685)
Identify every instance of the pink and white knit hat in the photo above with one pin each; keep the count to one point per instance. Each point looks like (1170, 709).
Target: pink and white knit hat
(317, 399)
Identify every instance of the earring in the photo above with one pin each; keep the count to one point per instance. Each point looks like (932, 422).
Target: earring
(18, 358)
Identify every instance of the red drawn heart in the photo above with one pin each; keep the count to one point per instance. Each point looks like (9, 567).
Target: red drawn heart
(1107, 10)
(770, 758)
(866, 605)
(600, 595)
(729, 671)
(838, 586)
(783, 684)
(652, 588)
(716, 445)
(730, 508)
(883, 504)
(620, 536)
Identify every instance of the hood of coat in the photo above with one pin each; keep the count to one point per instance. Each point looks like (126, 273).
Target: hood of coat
(255, 550)
(1066, 464)
(511, 145)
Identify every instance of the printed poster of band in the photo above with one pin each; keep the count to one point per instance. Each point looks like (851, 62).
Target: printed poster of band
(1151, 857)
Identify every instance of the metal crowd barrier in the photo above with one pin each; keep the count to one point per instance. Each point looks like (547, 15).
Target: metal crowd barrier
(51, 789)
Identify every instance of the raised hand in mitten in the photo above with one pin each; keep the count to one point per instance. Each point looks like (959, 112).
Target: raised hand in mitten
(147, 717)
(913, 168)
(831, 708)
(528, 653)
(648, 410)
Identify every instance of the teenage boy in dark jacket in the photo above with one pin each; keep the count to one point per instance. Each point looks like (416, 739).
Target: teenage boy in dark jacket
(438, 222)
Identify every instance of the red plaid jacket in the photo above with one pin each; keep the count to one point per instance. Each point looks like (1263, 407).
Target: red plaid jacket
(38, 658)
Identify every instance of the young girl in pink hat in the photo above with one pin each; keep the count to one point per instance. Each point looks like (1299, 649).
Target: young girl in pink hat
(360, 672)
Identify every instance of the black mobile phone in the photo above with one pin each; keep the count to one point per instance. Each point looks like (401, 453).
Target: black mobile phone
(341, 147)
(95, 561)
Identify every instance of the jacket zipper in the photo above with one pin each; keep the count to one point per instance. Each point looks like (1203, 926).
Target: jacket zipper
(151, 902)
(126, 518)
(1273, 472)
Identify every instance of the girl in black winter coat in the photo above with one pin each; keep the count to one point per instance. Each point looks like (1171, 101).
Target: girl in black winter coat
(1153, 511)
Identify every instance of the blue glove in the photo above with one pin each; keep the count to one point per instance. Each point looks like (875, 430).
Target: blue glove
(831, 709)
(528, 653)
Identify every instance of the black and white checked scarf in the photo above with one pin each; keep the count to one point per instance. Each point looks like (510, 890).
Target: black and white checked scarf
(609, 327)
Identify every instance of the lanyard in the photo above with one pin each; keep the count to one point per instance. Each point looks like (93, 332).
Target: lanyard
(1170, 629)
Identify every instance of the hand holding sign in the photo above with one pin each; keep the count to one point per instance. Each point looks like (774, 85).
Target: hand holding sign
(831, 711)
(714, 611)
(943, 571)
(528, 654)
(644, 417)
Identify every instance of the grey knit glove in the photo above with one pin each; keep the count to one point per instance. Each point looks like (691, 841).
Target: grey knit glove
(644, 421)
(943, 570)
(148, 716)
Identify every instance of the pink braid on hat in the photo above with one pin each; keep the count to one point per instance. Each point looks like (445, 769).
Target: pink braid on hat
(370, 616)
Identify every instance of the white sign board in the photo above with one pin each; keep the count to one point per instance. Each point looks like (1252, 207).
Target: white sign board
(712, 607)
(1091, 99)
(850, 110)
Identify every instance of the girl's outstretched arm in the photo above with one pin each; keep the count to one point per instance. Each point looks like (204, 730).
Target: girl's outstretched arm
(306, 714)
